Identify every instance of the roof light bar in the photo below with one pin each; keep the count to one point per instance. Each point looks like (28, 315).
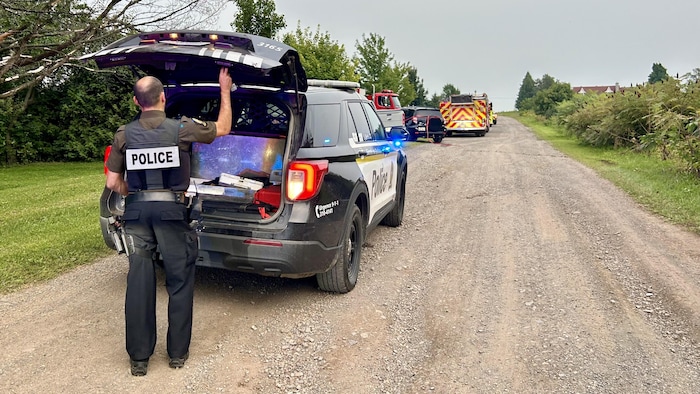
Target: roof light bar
(326, 83)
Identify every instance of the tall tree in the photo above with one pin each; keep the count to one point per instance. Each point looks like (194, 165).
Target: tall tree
(39, 38)
(374, 61)
(417, 82)
(378, 70)
(545, 82)
(258, 17)
(658, 73)
(449, 90)
(545, 101)
(322, 57)
(527, 90)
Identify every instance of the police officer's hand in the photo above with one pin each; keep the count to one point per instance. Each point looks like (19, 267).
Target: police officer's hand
(225, 80)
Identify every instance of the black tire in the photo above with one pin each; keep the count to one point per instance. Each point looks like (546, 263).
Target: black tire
(437, 139)
(395, 217)
(342, 277)
(105, 215)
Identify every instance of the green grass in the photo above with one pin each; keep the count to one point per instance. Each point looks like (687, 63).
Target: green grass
(656, 184)
(48, 220)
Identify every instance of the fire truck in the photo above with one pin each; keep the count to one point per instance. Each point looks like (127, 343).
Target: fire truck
(466, 113)
(388, 107)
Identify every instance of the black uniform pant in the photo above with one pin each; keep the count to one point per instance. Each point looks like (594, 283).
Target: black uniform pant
(164, 225)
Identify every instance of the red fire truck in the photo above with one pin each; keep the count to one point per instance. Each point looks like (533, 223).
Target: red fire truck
(466, 113)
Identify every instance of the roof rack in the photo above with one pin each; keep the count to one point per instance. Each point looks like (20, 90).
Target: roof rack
(329, 83)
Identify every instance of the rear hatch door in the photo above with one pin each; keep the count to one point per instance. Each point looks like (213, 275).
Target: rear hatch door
(194, 56)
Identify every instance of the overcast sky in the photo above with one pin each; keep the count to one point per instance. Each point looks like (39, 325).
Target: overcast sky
(489, 45)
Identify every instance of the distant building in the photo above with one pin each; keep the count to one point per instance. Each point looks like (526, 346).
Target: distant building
(598, 89)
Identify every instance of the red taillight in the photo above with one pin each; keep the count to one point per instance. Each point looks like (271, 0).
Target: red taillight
(304, 179)
(108, 150)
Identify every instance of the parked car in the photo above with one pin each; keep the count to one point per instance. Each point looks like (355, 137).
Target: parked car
(307, 171)
(424, 122)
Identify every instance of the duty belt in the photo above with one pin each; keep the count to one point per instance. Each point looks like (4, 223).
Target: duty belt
(150, 196)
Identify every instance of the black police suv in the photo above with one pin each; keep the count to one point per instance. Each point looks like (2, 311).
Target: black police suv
(305, 173)
(424, 122)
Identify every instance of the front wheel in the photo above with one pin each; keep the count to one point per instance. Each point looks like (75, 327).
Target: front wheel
(437, 139)
(342, 277)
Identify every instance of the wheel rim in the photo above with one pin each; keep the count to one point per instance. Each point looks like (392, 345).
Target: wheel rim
(350, 255)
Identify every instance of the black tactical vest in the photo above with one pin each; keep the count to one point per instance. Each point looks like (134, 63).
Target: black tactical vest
(153, 158)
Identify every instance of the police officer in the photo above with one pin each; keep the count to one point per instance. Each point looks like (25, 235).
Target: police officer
(153, 152)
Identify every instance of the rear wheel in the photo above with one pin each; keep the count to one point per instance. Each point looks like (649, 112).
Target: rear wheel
(342, 277)
(395, 217)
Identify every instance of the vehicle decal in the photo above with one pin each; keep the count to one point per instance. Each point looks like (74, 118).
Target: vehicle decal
(325, 209)
(382, 180)
(380, 174)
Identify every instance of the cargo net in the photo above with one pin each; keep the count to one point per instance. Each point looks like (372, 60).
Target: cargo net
(259, 117)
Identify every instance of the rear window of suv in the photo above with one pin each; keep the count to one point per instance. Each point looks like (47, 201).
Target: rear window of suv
(427, 112)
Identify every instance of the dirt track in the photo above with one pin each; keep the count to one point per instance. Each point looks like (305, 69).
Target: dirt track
(516, 270)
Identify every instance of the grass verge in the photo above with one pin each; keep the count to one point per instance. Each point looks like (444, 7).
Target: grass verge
(48, 220)
(656, 184)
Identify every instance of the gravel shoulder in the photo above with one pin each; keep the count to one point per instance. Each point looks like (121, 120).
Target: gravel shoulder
(516, 270)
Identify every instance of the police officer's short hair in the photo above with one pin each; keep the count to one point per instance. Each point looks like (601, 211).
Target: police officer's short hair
(147, 91)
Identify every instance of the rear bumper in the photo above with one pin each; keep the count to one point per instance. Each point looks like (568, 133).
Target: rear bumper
(270, 257)
(468, 130)
(415, 133)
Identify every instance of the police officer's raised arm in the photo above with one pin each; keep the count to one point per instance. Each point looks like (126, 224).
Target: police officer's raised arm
(223, 123)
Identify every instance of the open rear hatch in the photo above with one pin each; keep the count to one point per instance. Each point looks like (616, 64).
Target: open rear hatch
(193, 56)
(186, 59)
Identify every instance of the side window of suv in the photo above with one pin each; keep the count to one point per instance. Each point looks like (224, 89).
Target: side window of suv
(378, 133)
(364, 133)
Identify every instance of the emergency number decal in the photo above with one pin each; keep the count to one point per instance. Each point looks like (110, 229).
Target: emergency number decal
(152, 158)
(325, 209)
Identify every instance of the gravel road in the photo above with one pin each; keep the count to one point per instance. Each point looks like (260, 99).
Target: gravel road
(516, 270)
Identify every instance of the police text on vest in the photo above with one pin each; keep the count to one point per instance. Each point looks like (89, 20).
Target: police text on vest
(152, 158)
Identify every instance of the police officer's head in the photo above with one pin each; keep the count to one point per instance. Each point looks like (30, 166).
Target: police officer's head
(148, 94)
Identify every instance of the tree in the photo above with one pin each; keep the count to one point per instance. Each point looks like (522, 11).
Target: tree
(258, 17)
(39, 39)
(527, 90)
(434, 101)
(417, 82)
(321, 57)
(658, 73)
(545, 82)
(378, 70)
(374, 61)
(546, 101)
(449, 90)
